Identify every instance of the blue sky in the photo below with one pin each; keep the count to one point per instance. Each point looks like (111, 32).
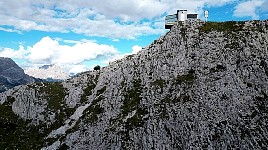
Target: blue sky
(77, 35)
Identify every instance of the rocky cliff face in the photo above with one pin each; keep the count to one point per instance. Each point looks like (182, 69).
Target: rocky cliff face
(12, 75)
(201, 86)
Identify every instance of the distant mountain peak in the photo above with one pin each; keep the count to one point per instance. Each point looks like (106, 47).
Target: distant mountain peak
(12, 75)
(46, 66)
(48, 71)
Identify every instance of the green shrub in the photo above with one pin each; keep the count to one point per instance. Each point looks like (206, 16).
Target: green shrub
(90, 115)
(87, 92)
(97, 67)
(132, 97)
(101, 91)
(188, 78)
(137, 120)
(159, 82)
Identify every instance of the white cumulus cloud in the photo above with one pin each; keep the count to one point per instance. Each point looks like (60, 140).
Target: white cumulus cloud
(49, 51)
(78, 68)
(11, 53)
(136, 49)
(248, 9)
(44, 52)
(219, 2)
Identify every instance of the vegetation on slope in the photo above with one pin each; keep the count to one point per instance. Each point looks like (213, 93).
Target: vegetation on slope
(17, 133)
(222, 26)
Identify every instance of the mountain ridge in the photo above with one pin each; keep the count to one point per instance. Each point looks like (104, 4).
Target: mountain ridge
(202, 85)
(12, 75)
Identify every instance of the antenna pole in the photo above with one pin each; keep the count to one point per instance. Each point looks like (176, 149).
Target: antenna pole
(206, 15)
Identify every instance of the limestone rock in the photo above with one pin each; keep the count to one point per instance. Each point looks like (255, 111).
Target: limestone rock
(200, 86)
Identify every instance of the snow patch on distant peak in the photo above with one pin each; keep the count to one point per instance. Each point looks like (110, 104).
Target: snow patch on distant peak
(49, 71)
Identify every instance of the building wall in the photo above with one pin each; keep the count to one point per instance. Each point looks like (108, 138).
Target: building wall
(182, 15)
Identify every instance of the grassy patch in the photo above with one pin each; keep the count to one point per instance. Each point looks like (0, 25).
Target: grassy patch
(131, 103)
(87, 92)
(18, 135)
(129, 57)
(218, 68)
(54, 93)
(92, 112)
(184, 33)
(90, 87)
(137, 120)
(158, 41)
(90, 115)
(233, 45)
(6, 113)
(222, 26)
(160, 83)
(132, 98)
(163, 112)
(262, 103)
(101, 91)
(187, 78)
(15, 132)
(64, 147)
(182, 98)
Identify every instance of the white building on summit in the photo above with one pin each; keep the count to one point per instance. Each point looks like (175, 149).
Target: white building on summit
(181, 15)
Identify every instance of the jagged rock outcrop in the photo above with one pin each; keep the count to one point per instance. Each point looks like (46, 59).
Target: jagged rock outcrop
(200, 86)
(12, 75)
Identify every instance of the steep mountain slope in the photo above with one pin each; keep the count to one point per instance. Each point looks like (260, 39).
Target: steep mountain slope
(12, 75)
(202, 85)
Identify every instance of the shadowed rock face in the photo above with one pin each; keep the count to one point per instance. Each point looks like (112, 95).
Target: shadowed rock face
(200, 86)
(12, 75)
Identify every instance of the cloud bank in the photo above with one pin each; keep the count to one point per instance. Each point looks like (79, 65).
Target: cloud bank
(114, 19)
(49, 51)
